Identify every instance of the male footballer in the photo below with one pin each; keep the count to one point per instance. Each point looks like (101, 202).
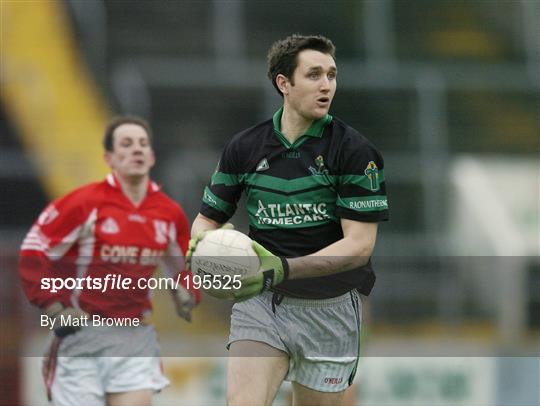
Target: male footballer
(86, 263)
(315, 193)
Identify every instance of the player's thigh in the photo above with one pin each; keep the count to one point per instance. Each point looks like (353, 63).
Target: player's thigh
(304, 396)
(255, 372)
(134, 398)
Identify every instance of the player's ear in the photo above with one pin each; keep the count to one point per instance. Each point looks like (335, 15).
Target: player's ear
(107, 156)
(152, 158)
(282, 83)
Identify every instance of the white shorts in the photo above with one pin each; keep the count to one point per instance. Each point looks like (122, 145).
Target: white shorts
(99, 360)
(321, 337)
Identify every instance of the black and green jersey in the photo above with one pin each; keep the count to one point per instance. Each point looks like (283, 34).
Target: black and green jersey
(297, 193)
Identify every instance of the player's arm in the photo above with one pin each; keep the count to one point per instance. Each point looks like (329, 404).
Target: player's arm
(184, 294)
(219, 199)
(221, 194)
(42, 258)
(350, 252)
(203, 223)
(43, 250)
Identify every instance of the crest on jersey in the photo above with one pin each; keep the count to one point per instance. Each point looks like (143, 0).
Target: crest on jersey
(110, 226)
(160, 228)
(319, 168)
(48, 215)
(372, 172)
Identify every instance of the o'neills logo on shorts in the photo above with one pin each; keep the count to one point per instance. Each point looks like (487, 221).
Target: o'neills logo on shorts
(333, 381)
(290, 213)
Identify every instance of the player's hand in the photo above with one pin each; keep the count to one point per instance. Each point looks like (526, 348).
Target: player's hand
(273, 271)
(195, 240)
(64, 318)
(184, 302)
(193, 245)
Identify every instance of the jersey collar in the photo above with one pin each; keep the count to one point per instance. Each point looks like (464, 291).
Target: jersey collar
(315, 130)
(113, 182)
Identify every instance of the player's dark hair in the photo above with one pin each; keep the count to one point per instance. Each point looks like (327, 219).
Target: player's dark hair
(283, 54)
(115, 122)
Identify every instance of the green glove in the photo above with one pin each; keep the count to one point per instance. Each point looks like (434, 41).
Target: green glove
(273, 271)
(195, 240)
(192, 245)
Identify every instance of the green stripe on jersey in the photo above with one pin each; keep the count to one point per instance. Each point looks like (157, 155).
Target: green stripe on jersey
(288, 185)
(292, 185)
(227, 179)
(213, 201)
(361, 180)
(364, 204)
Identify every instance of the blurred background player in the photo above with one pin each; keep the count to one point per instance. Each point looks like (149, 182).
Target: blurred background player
(123, 226)
(315, 192)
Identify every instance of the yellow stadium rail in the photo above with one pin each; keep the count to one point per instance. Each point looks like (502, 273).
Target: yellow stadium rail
(49, 94)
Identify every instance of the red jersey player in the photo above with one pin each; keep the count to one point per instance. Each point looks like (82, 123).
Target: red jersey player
(87, 261)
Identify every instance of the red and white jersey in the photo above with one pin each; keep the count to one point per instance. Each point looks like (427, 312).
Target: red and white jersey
(95, 231)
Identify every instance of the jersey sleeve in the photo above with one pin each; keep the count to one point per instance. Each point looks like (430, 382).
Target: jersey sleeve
(174, 259)
(221, 195)
(361, 182)
(43, 251)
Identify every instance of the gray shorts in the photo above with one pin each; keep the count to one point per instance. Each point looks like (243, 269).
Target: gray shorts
(321, 337)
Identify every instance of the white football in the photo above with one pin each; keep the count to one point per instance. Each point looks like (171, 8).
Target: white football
(225, 252)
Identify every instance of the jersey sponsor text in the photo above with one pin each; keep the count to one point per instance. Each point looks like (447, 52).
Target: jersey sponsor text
(290, 213)
(130, 254)
(368, 204)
